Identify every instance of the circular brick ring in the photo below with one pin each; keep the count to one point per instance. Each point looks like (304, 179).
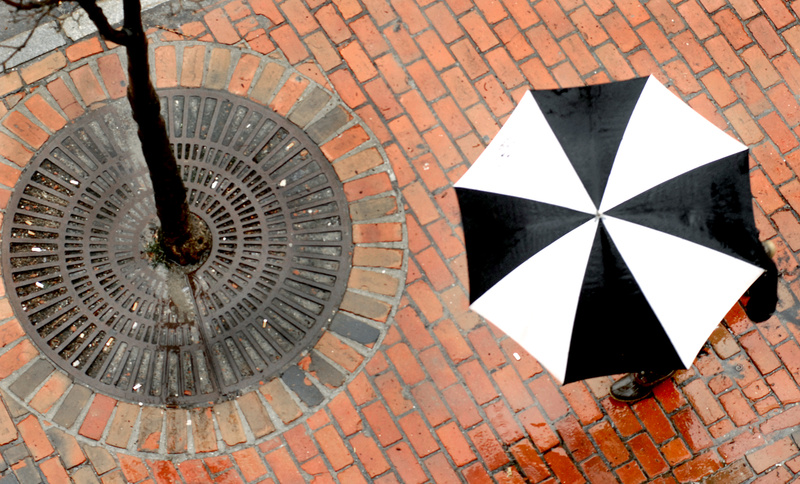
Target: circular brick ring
(315, 377)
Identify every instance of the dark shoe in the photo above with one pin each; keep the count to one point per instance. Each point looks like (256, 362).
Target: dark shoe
(636, 386)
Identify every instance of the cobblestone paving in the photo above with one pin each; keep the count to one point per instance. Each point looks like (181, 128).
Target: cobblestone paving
(417, 89)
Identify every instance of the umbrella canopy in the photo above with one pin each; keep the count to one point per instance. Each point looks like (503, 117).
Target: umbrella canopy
(609, 229)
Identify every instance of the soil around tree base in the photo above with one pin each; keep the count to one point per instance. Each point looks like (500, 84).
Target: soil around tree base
(193, 251)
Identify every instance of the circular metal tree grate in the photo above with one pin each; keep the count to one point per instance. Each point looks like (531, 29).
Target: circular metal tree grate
(81, 262)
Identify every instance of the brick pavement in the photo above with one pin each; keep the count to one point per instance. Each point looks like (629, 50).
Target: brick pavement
(443, 397)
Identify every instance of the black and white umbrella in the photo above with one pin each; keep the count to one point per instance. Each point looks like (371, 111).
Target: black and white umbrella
(609, 229)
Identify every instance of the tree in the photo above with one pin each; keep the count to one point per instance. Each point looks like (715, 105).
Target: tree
(183, 237)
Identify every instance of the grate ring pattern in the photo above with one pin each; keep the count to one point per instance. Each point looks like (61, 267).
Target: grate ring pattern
(78, 243)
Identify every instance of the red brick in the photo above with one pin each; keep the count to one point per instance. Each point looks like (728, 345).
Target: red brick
(205, 437)
(763, 357)
(428, 400)
(416, 430)
(656, 423)
(538, 429)
(614, 63)
(529, 461)
(250, 463)
(10, 332)
(503, 422)
(745, 8)
(35, 439)
(555, 19)
(440, 469)
(166, 66)
(426, 300)
(381, 424)
(737, 407)
(786, 104)
(299, 17)
(699, 467)
(10, 82)
(42, 68)
(221, 27)
(54, 472)
(779, 133)
(724, 55)
(402, 43)
(420, 114)
(656, 41)
(544, 44)
(369, 455)
(301, 445)
(479, 31)
(751, 94)
(784, 387)
(281, 464)
(622, 417)
(194, 471)
(351, 8)
(460, 87)
(573, 436)
(549, 397)
(23, 127)
(488, 447)
(562, 466)
(609, 443)
(648, 456)
(478, 382)
(444, 23)
(462, 406)
(512, 388)
(407, 136)
(406, 363)
(455, 444)
(772, 454)
(347, 88)
(469, 59)
(87, 85)
(486, 347)
(762, 69)
(65, 99)
(132, 467)
(393, 74)
(703, 401)
(692, 430)
(370, 38)
(332, 23)
(597, 472)
(567, 76)
(778, 13)
(582, 403)
(345, 414)
(332, 445)
(407, 464)
(719, 88)
(17, 356)
(743, 124)
(45, 113)
(289, 44)
(766, 36)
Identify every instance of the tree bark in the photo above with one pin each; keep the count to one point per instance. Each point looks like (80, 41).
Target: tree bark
(182, 238)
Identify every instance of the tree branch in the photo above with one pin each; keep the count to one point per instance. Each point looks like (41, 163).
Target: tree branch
(21, 5)
(100, 21)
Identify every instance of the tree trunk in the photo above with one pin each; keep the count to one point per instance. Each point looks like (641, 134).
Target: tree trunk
(183, 237)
